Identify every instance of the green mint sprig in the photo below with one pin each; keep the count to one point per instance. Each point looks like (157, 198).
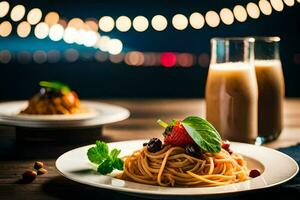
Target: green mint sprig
(201, 131)
(55, 86)
(106, 160)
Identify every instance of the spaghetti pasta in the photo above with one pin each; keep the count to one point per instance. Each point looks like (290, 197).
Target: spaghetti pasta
(172, 166)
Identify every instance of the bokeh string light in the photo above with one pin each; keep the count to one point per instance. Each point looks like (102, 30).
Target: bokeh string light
(265, 7)
(5, 28)
(159, 23)
(85, 32)
(4, 8)
(41, 30)
(34, 16)
(123, 23)
(106, 23)
(196, 20)
(23, 29)
(240, 13)
(17, 13)
(180, 22)
(226, 16)
(212, 18)
(277, 5)
(140, 23)
(253, 10)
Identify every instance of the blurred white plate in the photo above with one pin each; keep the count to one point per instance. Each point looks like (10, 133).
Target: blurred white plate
(99, 114)
(11, 110)
(275, 166)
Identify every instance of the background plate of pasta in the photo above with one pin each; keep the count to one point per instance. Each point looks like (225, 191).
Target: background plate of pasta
(190, 159)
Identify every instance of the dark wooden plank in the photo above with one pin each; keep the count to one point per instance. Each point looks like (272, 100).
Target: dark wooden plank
(15, 158)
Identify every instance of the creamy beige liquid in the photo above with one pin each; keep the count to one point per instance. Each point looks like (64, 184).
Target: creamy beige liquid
(270, 100)
(231, 100)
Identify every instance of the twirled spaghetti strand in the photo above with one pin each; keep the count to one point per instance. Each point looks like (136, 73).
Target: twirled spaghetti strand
(171, 166)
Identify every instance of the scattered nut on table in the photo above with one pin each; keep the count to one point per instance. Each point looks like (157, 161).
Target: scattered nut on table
(29, 175)
(42, 171)
(38, 164)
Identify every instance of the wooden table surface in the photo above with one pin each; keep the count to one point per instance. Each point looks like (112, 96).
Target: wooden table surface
(18, 155)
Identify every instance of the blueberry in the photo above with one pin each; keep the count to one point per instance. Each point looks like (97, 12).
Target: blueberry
(154, 145)
(254, 173)
(194, 151)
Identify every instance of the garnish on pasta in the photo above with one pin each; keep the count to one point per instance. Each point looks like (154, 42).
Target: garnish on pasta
(192, 154)
(54, 98)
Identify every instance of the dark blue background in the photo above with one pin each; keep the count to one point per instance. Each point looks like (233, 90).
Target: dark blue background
(102, 80)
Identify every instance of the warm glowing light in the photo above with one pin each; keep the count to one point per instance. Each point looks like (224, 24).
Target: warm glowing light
(80, 36)
(24, 57)
(180, 22)
(34, 16)
(168, 59)
(5, 28)
(52, 18)
(159, 23)
(17, 13)
(106, 23)
(23, 29)
(277, 5)
(76, 23)
(289, 2)
(185, 59)
(39, 57)
(115, 46)
(56, 32)
(197, 20)
(212, 18)
(71, 55)
(203, 60)
(92, 24)
(62, 22)
(100, 56)
(123, 23)
(70, 35)
(151, 59)
(4, 8)
(90, 38)
(226, 16)
(253, 10)
(53, 56)
(134, 58)
(140, 23)
(103, 43)
(116, 58)
(41, 30)
(265, 7)
(5, 56)
(240, 13)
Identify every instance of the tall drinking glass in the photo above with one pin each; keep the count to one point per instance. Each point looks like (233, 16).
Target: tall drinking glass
(270, 82)
(231, 92)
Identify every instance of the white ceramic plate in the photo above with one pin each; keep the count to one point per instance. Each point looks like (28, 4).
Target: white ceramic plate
(11, 111)
(99, 114)
(275, 166)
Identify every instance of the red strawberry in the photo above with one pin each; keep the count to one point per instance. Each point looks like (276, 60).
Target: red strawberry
(176, 135)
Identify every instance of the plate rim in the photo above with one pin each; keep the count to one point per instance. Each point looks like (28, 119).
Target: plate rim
(139, 192)
(123, 114)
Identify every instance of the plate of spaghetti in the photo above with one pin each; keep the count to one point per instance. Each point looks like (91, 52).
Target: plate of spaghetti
(191, 160)
(57, 105)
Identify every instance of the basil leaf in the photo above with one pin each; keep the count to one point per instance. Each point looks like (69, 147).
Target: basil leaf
(203, 133)
(118, 164)
(55, 86)
(98, 153)
(106, 160)
(106, 167)
(114, 153)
